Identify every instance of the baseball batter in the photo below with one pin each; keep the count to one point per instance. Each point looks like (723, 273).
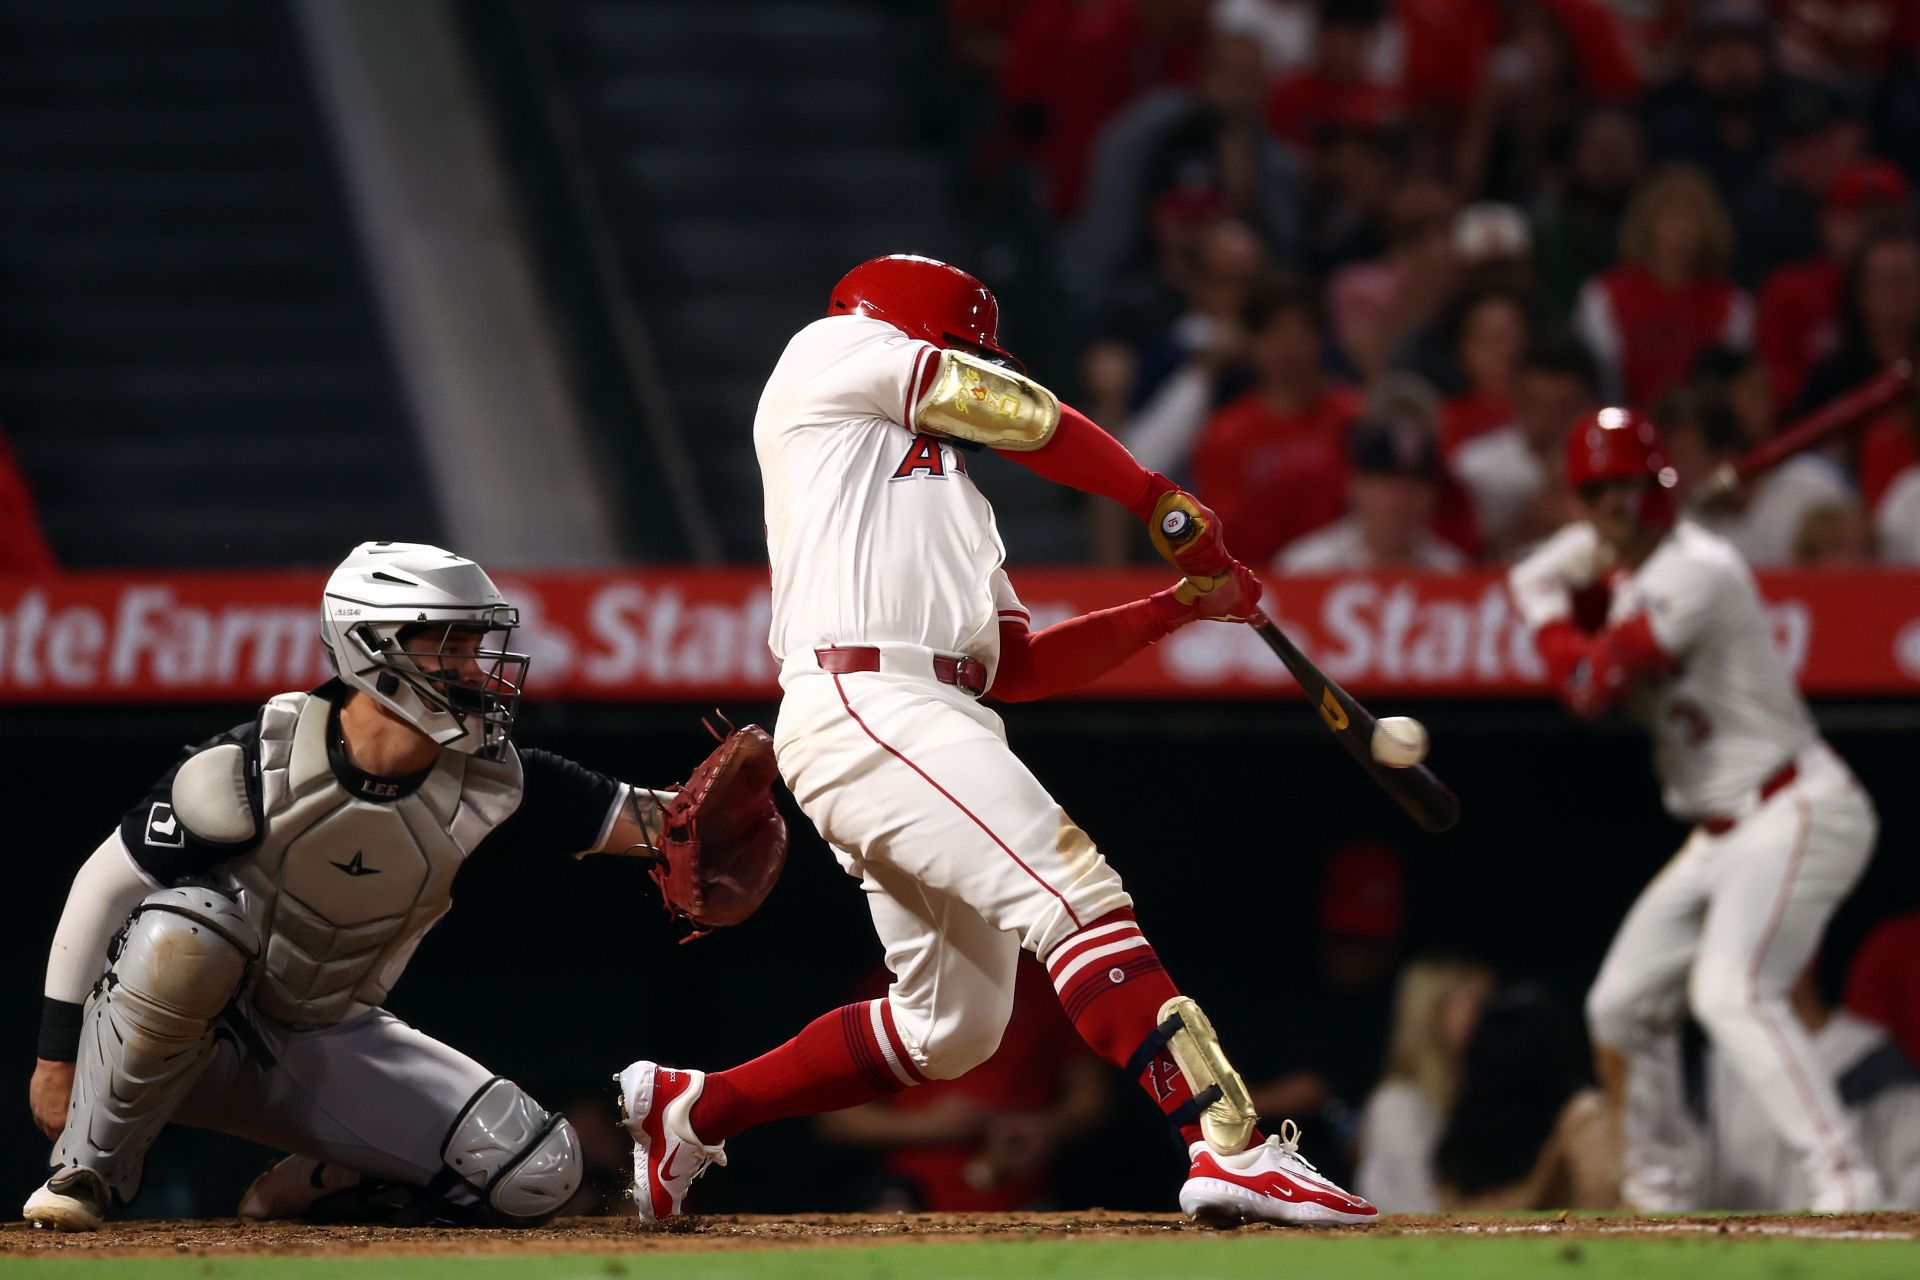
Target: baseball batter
(1781, 830)
(224, 953)
(892, 619)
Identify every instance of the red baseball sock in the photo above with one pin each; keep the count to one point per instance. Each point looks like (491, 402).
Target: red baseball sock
(840, 1059)
(1112, 986)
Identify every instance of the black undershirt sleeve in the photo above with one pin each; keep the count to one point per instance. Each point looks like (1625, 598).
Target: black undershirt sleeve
(562, 811)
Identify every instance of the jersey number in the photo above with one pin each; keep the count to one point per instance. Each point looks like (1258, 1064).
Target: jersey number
(925, 457)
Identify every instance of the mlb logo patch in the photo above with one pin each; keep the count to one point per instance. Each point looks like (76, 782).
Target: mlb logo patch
(163, 829)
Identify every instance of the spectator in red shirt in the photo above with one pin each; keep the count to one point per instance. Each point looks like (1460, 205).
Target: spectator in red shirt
(1796, 324)
(1070, 64)
(23, 544)
(1883, 983)
(1270, 462)
(988, 1141)
(1339, 88)
(1649, 319)
(1490, 331)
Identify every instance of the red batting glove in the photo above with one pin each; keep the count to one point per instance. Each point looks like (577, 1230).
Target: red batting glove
(1188, 534)
(1233, 596)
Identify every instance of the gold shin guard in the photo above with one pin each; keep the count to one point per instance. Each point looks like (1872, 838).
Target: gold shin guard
(1228, 1120)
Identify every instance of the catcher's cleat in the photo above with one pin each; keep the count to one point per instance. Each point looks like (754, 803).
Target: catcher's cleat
(1272, 1182)
(292, 1187)
(656, 1106)
(73, 1199)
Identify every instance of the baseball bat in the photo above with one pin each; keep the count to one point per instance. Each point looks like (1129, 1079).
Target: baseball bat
(1418, 790)
(1823, 424)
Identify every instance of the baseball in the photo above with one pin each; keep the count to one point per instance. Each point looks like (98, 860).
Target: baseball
(1399, 742)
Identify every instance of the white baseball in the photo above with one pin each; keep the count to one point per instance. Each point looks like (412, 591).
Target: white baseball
(1399, 742)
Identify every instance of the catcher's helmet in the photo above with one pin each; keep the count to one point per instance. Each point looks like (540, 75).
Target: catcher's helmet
(423, 632)
(1621, 444)
(925, 298)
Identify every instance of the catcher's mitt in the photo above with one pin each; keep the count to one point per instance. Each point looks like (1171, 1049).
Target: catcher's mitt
(724, 842)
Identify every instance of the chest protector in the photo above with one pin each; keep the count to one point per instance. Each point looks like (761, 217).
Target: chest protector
(342, 888)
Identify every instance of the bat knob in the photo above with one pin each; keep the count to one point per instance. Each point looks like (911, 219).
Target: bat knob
(1176, 526)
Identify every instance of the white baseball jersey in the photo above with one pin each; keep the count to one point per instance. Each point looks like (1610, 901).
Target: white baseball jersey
(1732, 715)
(876, 533)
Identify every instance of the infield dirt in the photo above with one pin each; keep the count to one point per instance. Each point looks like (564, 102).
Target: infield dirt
(231, 1238)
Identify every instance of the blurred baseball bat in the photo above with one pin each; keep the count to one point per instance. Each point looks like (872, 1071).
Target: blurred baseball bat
(1830, 420)
(1418, 790)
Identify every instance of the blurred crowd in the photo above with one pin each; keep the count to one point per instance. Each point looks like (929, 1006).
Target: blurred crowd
(1352, 269)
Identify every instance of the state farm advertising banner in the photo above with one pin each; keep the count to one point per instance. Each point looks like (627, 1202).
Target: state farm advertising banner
(682, 634)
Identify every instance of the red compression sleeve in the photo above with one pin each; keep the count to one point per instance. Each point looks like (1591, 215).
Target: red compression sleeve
(1067, 655)
(1082, 456)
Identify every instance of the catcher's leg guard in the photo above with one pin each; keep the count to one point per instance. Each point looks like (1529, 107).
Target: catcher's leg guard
(148, 1031)
(1220, 1098)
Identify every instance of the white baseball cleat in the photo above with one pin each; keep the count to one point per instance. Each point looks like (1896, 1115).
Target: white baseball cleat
(1272, 1182)
(292, 1187)
(656, 1106)
(73, 1199)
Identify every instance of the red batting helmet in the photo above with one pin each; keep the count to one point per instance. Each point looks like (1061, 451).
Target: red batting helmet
(926, 299)
(1621, 444)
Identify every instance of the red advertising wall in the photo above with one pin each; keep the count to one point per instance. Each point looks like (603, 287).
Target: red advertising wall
(673, 634)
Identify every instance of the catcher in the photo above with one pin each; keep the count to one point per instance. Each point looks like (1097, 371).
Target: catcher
(224, 953)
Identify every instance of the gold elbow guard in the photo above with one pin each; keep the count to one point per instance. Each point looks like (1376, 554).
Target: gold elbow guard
(974, 399)
(1228, 1121)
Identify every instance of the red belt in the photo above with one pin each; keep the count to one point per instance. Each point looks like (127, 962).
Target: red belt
(1778, 780)
(966, 674)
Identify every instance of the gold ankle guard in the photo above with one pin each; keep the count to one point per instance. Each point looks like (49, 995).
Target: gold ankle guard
(1228, 1121)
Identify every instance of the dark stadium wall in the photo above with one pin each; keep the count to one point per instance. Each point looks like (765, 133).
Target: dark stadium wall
(557, 974)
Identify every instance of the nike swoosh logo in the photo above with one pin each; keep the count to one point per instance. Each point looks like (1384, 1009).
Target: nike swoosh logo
(666, 1166)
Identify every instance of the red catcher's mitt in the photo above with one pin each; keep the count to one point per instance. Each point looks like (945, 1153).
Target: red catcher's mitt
(724, 842)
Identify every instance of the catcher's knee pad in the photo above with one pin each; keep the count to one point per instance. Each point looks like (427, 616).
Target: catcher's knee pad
(148, 1030)
(521, 1162)
(1220, 1099)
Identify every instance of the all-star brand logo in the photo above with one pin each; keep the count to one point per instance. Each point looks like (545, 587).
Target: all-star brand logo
(358, 866)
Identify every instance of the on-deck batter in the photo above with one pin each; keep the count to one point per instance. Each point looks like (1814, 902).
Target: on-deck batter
(892, 617)
(1781, 829)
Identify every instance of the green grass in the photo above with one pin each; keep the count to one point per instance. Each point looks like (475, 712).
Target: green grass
(1297, 1257)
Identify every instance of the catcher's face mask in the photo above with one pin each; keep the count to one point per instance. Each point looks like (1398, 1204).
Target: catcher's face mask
(463, 670)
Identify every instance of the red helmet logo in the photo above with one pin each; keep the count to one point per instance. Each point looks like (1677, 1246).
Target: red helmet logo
(926, 299)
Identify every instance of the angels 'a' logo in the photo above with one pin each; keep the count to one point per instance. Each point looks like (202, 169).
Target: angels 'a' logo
(925, 457)
(1162, 1076)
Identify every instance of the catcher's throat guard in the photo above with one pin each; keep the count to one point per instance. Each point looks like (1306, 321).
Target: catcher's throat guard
(1228, 1117)
(975, 399)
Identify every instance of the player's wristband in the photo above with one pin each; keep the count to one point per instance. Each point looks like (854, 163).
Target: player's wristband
(59, 1029)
